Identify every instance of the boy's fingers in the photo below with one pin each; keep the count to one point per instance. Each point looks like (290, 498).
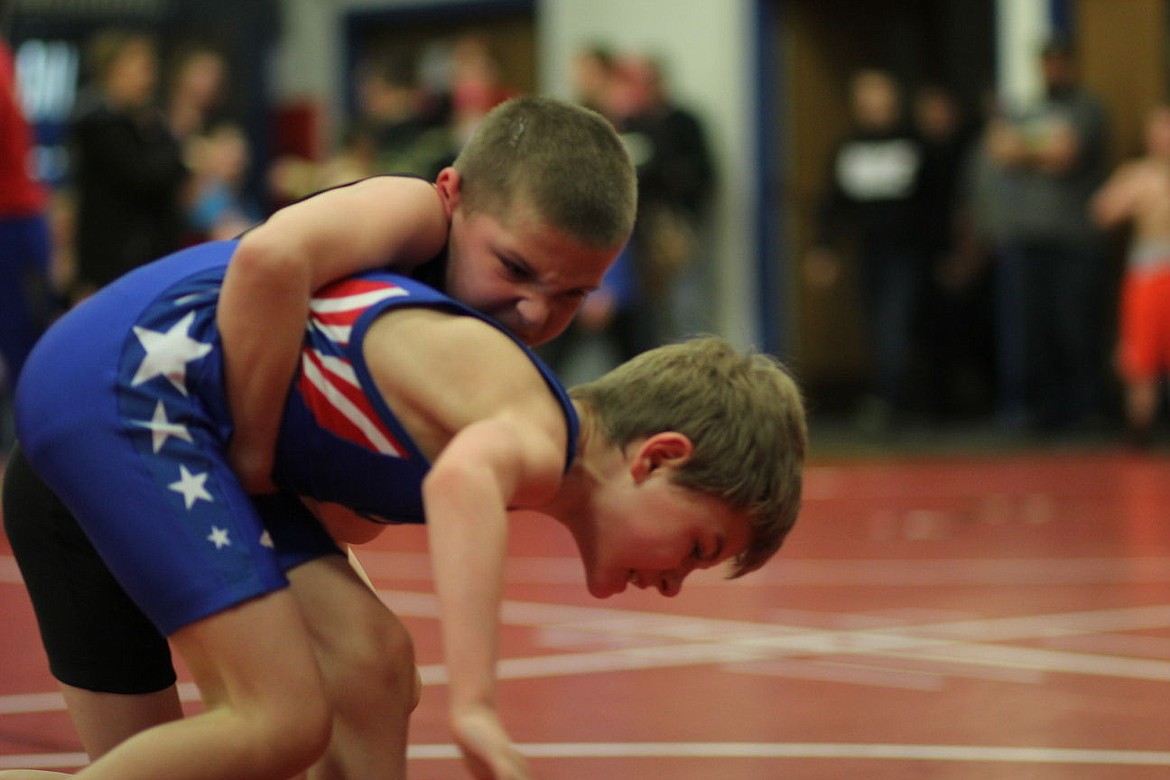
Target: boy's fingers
(487, 750)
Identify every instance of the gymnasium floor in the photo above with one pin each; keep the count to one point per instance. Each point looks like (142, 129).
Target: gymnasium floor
(957, 613)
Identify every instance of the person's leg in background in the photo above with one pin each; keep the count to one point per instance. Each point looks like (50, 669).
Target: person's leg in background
(25, 305)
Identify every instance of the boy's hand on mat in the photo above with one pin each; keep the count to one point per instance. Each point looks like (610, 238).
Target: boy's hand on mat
(487, 749)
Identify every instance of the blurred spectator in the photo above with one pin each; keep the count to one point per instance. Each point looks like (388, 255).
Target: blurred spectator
(985, 241)
(956, 358)
(593, 74)
(24, 244)
(127, 171)
(356, 158)
(195, 81)
(401, 127)
(1138, 194)
(874, 197)
(676, 178)
(661, 281)
(945, 136)
(476, 85)
(397, 117)
(615, 318)
(195, 86)
(218, 207)
(1055, 157)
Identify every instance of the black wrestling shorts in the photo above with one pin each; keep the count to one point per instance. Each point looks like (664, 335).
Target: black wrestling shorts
(96, 638)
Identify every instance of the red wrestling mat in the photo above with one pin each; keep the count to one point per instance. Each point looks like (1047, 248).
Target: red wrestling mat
(946, 618)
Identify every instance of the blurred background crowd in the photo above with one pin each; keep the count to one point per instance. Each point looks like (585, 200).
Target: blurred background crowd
(931, 252)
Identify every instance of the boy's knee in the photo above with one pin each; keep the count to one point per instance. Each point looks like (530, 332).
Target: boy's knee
(393, 667)
(310, 732)
(389, 655)
(284, 734)
(377, 664)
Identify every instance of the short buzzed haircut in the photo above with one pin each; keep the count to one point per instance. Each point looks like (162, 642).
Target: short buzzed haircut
(561, 159)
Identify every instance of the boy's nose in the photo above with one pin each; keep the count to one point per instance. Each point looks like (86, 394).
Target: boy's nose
(670, 584)
(537, 319)
(533, 311)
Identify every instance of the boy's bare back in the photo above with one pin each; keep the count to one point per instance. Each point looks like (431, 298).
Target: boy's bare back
(1139, 191)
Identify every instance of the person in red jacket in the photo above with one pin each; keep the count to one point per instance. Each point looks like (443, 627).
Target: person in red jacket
(24, 241)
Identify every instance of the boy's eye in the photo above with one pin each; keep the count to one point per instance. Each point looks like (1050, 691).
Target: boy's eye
(697, 553)
(514, 269)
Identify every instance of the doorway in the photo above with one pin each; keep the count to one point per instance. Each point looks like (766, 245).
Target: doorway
(818, 45)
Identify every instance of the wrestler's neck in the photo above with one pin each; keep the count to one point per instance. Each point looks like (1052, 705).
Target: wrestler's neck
(596, 462)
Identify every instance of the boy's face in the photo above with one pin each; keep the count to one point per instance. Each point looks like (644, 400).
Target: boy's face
(645, 530)
(519, 271)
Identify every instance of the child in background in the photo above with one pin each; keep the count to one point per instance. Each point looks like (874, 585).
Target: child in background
(219, 208)
(1138, 193)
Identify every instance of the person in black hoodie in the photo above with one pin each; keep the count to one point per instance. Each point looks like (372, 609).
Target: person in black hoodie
(127, 169)
(873, 198)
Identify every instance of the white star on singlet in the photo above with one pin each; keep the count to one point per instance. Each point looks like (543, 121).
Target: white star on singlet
(219, 537)
(191, 486)
(163, 428)
(167, 354)
(266, 540)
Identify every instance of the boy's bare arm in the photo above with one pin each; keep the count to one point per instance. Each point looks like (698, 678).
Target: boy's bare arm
(506, 449)
(264, 303)
(466, 498)
(385, 221)
(1114, 202)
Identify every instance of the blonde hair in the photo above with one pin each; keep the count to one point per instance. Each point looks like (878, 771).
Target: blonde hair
(744, 414)
(565, 161)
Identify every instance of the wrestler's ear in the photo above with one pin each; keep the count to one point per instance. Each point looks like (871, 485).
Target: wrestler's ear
(666, 448)
(448, 184)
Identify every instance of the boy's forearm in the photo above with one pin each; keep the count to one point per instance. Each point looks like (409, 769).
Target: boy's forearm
(467, 531)
(264, 303)
(263, 307)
